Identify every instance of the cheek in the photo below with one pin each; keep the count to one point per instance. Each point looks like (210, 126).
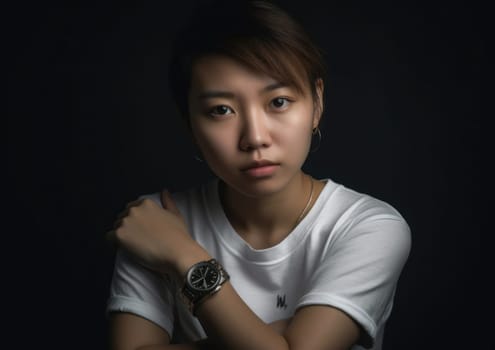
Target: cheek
(216, 144)
(296, 144)
(294, 134)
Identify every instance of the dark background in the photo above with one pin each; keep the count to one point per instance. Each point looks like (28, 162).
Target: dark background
(91, 127)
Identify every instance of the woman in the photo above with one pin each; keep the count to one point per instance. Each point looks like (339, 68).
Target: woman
(264, 256)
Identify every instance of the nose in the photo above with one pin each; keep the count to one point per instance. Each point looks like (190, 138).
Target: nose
(255, 131)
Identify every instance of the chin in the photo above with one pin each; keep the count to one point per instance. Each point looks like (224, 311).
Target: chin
(257, 188)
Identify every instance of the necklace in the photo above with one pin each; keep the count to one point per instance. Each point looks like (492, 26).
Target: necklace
(307, 204)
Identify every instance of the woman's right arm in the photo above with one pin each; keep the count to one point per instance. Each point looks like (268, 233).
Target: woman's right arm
(132, 332)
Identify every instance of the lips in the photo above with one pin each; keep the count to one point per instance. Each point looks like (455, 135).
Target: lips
(259, 164)
(260, 169)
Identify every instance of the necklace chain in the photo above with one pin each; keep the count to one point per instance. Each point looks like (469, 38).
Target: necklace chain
(307, 204)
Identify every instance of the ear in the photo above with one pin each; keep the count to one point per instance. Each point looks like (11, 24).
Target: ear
(319, 85)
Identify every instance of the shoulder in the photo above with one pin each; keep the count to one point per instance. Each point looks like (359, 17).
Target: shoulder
(353, 205)
(360, 215)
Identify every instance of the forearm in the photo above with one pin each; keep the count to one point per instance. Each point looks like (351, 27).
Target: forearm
(200, 345)
(171, 347)
(228, 321)
(278, 326)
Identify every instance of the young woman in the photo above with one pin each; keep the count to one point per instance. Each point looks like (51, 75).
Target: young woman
(264, 256)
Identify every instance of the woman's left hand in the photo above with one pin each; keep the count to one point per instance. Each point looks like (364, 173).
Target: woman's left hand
(157, 237)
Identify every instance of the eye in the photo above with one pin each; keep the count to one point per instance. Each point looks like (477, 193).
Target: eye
(220, 110)
(280, 102)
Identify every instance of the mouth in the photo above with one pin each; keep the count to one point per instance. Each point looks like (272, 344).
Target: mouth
(261, 168)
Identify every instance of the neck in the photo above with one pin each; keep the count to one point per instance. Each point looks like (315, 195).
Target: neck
(265, 221)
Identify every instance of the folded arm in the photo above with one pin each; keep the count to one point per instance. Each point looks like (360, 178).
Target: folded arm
(132, 332)
(160, 240)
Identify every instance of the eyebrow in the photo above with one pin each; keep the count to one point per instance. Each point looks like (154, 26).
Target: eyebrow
(227, 94)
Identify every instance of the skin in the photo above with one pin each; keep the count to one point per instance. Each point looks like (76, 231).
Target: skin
(237, 116)
(254, 123)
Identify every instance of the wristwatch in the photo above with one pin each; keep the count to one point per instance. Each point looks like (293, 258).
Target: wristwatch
(202, 281)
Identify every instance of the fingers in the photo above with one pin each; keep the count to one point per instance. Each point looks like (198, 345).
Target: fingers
(125, 212)
(110, 235)
(168, 203)
(134, 203)
(129, 205)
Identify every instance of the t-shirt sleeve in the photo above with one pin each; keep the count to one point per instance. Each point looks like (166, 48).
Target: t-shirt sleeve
(138, 290)
(360, 268)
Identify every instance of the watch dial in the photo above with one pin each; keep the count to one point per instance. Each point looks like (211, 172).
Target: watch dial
(204, 277)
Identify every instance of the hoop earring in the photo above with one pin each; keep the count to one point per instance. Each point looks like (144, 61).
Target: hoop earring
(316, 131)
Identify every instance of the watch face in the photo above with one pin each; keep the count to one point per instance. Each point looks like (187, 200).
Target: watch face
(203, 277)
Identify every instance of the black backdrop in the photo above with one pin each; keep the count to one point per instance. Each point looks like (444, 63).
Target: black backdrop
(91, 127)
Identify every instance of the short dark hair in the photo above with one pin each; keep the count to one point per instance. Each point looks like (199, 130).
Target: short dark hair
(257, 34)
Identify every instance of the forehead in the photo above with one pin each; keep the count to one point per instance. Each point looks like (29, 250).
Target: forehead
(221, 71)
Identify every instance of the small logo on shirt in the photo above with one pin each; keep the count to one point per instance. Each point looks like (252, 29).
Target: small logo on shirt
(281, 304)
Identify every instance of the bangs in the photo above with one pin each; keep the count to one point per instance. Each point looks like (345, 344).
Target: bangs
(256, 34)
(272, 60)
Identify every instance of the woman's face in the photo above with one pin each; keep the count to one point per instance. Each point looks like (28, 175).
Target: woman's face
(253, 132)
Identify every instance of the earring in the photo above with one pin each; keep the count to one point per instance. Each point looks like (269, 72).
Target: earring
(316, 131)
(198, 159)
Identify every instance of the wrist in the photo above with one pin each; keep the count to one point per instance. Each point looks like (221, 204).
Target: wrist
(188, 258)
(203, 279)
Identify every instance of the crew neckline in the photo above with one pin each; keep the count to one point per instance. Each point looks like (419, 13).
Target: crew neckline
(238, 246)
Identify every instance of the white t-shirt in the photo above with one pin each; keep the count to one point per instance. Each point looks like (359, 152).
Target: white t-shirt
(348, 252)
